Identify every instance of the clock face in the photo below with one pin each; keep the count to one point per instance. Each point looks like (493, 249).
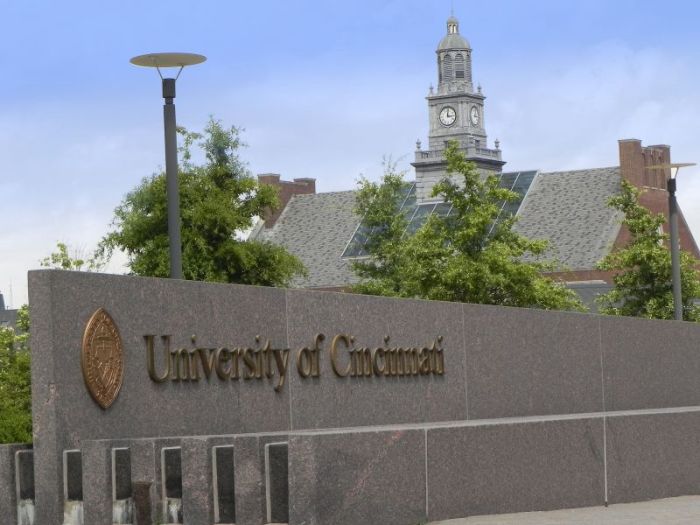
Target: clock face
(448, 116)
(474, 115)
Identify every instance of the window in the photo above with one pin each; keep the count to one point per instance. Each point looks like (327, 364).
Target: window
(417, 214)
(447, 63)
(459, 65)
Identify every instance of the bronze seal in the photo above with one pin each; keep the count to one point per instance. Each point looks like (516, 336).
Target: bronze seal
(102, 358)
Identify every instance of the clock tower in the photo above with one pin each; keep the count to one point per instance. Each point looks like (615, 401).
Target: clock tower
(455, 112)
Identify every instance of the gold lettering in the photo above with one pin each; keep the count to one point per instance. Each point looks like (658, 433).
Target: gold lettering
(151, 358)
(236, 354)
(181, 360)
(282, 361)
(362, 362)
(316, 358)
(221, 357)
(207, 357)
(424, 361)
(249, 362)
(304, 362)
(379, 353)
(440, 360)
(334, 355)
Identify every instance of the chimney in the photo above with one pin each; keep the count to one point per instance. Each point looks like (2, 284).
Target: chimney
(2, 302)
(634, 160)
(286, 190)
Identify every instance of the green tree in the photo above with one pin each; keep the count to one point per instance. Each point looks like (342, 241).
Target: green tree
(64, 260)
(15, 382)
(642, 285)
(465, 257)
(218, 201)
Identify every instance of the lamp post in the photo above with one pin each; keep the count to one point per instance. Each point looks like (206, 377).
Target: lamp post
(158, 61)
(675, 242)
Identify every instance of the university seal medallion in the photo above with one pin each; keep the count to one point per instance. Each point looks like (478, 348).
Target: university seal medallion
(102, 358)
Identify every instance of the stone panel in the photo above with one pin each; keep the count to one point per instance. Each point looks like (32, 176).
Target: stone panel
(329, 401)
(197, 486)
(514, 467)
(97, 482)
(144, 481)
(49, 436)
(650, 363)
(653, 456)
(216, 314)
(351, 478)
(526, 362)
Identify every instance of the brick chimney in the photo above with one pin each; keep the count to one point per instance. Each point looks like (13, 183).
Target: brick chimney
(634, 160)
(287, 189)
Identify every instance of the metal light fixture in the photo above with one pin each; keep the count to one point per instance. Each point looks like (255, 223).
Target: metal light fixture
(673, 227)
(158, 61)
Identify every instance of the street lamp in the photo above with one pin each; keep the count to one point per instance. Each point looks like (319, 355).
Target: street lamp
(158, 61)
(675, 242)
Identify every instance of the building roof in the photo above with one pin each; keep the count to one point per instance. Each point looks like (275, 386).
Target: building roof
(570, 210)
(453, 41)
(316, 228)
(567, 208)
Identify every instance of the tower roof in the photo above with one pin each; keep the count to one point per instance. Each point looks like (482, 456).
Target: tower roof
(453, 40)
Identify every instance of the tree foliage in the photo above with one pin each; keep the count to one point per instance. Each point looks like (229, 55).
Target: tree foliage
(465, 257)
(218, 201)
(643, 284)
(15, 382)
(63, 260)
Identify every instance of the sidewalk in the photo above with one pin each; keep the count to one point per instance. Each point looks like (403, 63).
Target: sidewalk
(673, 511)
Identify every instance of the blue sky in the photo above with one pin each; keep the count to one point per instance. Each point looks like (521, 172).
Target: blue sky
(324, 90)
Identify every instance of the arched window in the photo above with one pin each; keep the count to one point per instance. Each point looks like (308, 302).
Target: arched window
(447, 68)
(459, 66)
(439, 69)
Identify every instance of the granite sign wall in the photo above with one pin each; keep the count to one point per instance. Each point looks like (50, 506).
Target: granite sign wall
(319, 389)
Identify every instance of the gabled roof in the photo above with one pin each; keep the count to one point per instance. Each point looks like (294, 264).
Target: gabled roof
(567, 208)
(316, 228)
(570, 210)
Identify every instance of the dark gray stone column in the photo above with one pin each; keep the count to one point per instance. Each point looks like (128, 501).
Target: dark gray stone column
(48, 445)
(97, 482)
(248, 479)
(197, 485)
(8, 487)
(143, 480)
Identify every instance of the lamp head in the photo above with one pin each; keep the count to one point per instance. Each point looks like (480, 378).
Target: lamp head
(159, 60)
(674, 167)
